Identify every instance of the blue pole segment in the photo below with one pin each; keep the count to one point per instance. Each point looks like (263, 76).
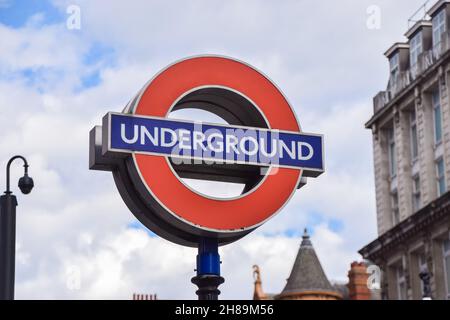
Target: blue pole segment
(208, 259)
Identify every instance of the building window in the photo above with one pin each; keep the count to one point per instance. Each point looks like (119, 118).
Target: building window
(440, 173)
(414, 140)
(401, 284)
(437, 115)
(438, 27)
(394, 65)
(416, 193)
(446, 248)
(415, 49)
(395, 209)
(392, 153)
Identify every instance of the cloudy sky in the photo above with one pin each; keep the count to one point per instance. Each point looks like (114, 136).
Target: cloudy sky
(75, 237)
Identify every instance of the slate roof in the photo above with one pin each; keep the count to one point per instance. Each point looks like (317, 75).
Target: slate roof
(307, 273)
(342, 289)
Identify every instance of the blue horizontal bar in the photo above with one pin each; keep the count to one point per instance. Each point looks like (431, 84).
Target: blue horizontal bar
(226, 143)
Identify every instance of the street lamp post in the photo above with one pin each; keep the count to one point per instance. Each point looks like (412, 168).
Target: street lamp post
(426, 277)
(8, 204)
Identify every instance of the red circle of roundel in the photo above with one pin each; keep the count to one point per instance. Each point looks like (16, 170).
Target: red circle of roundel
(245, 212)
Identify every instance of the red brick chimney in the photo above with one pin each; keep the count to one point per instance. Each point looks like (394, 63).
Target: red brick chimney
(357, 282)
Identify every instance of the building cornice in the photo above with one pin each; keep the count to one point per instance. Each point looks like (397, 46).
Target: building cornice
(419, 25)
(437, 6)
(423, 219)
(395, 47)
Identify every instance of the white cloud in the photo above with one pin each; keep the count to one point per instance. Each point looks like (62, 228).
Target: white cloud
(39, 47)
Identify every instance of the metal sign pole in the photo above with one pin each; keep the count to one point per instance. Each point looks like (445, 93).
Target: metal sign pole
(208, 277)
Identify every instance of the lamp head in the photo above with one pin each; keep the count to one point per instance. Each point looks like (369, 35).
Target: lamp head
(26, 184)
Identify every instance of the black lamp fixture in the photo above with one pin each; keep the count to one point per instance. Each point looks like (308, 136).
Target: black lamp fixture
(8, 204)
(425, 277)
(26, 183)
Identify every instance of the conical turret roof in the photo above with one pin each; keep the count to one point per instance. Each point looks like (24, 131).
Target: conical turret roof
(307, 274)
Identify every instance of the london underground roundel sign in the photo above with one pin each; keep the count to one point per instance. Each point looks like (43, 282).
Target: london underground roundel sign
(261, 147)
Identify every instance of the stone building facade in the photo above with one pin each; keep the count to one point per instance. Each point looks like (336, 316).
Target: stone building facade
(411, 147)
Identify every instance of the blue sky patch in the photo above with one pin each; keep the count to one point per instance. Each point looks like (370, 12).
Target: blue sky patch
(16, 13)
(293, 233)
(91, 80)
(99, 53)
(313, 220)
(98, 57)
(42, 78)
(336, 225)
(139, 226)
